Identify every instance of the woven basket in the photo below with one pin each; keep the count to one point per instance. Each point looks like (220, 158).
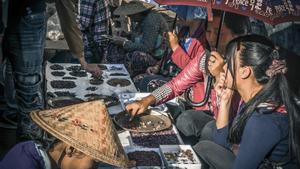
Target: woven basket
(88, 128)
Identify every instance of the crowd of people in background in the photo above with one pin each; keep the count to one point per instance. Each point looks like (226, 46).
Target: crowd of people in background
(255, 83)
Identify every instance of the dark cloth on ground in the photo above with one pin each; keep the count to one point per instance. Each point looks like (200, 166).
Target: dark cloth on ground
(23, 156)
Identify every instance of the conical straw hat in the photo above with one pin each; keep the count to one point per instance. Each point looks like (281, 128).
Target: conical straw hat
(133, 7)
(88, 128)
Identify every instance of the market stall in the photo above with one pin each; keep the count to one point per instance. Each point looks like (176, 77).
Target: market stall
(151, 139)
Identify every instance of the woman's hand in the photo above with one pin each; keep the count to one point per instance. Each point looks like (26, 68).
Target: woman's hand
(91, 68)
(224, 95)
(173, 41)
(215, 64)
(135, 108)
(139, 107)
(223, 92)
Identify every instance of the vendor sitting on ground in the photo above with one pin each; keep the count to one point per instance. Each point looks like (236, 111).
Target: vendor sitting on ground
(147, 45)
(77, 143)
(189, 43)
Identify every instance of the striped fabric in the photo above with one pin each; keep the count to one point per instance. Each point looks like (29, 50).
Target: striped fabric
(161, 93)
(93, 18)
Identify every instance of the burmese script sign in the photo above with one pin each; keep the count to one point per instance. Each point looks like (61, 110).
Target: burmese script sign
(270, 11)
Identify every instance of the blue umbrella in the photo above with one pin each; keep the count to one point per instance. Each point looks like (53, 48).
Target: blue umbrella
(188, 12)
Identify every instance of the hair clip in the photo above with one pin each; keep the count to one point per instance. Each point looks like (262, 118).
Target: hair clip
(274, 54)
(277, 66)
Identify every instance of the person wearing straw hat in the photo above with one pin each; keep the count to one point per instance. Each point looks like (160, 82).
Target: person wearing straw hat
(81, 140)
(147, 44)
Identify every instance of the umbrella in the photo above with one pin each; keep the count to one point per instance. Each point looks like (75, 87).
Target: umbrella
(269, 11)
(188, 12)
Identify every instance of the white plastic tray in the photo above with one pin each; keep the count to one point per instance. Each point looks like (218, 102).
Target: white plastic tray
(180, 165)
(132, 149)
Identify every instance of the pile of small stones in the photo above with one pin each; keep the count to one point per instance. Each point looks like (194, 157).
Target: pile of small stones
(153, 140)
(180, 157)
(64, 93)
(56, 67)
(66, 102)
(78, 73)
(145, 158)
(117, 81)
(74, 68)
(69, 78)
(96, 81)
(92, 88)
(108, 100)
(117, 74)
(59, 84)
(58, 73)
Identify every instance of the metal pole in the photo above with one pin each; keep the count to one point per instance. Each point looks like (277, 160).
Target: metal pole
(220, 28)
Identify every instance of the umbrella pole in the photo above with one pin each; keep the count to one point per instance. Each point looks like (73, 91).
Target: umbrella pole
(174, 23)
(209, 78)
(220, 28)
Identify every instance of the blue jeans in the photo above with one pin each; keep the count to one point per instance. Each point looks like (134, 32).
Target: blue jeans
(9, 93)
(24, 48)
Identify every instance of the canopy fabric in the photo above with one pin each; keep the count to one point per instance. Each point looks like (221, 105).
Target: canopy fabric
(269, 11)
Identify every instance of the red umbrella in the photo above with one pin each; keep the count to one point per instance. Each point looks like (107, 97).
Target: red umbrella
(269, 11)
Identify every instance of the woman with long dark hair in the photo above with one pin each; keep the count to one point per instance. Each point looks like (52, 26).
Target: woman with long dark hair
(265, 133)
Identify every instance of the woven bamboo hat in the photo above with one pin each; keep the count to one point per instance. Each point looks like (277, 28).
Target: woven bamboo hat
(133, 7)
(88, 128)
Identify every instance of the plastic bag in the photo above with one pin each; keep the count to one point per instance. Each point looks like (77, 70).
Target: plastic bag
(54, 31)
